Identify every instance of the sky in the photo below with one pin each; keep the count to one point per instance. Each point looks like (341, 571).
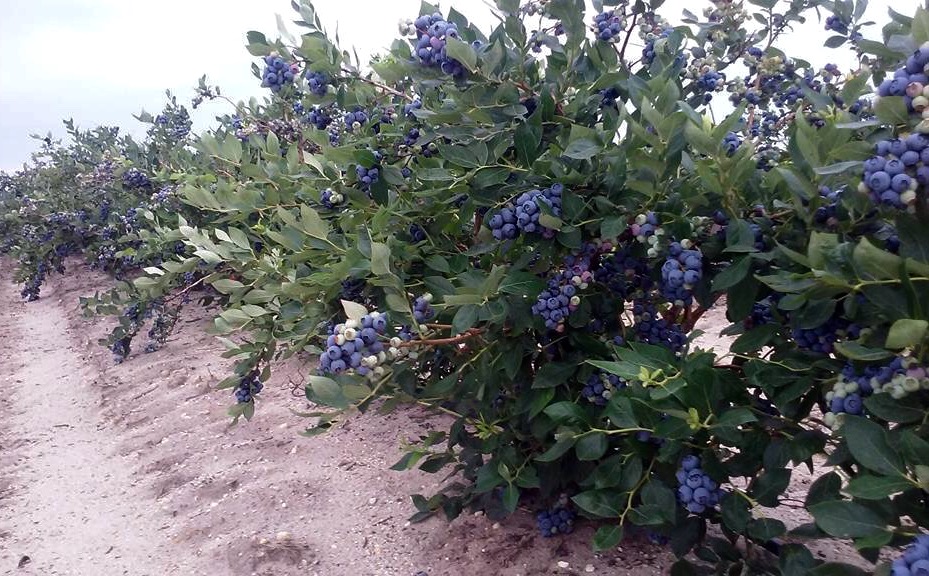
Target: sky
(101, 61)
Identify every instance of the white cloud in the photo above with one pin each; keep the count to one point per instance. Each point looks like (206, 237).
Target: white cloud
(100, 61)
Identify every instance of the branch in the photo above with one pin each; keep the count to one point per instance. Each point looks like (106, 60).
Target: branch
(377, 84)
(622, 51)
(443, 341)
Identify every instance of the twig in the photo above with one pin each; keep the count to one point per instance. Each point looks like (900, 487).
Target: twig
(622, 51)
(377, 84)
(443, 341)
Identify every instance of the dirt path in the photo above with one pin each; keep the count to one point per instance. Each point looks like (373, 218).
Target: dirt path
(134, 469)
(77, 508)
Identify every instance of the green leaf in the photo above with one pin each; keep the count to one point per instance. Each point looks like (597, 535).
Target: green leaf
(620, 413)
(914, 448)
(885, 407)
(891, 110)
(839, 168)
(227, 286)
(553, 374)
(528, 138)
(735, 417)
(459, 155)
(326, 391)
(920, 26)
(754, 339)
(876, 487)
(465, 318)
(608, 537)
(733, 274)
(591, 447)
(463, 52)
(660, 497)
(582, 149)
(353, 310)
(612, 226)
(312, 224)
(601, 503)
(735, 512)
(906, 333)
(768, 487)
(765, 529)
(521, 283)
(844, 519)
(823, 489)
(855, 351)
(795, 560)
(565, 412)
(511, 498)
(557, 450)
(868, 443)
(380, 259)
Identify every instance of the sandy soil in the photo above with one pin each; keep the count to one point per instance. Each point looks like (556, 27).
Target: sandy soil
(134, 469)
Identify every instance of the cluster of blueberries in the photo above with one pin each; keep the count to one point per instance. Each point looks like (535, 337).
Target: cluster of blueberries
(608, 97)
(355, 119)
(120, 349)
(696, 490)
(422, 308)
(557, 520)
(319, 118)
(731, 143)
(836, 24)
(524, 216)
(893, 175)
(651, 328)
(354, 345)
(915, 559)
(600, 386)
(33, 285)
(827, 214)
(367, 177)
(277, 72)
(609, 25)
(330, 198)
(134, 178)
(248, 386)
(432, 34)
(899, 377)
(648, 51)
(625, 275)
(409, 107)
(822, 338)
(318, 83)
(555, 303)
(911, 81)
(417, 233)
(682, 269)
(352, 289)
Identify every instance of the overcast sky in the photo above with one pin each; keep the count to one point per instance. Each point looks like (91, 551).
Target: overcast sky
(101, 61)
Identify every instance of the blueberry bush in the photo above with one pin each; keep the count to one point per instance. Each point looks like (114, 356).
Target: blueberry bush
(522, 230)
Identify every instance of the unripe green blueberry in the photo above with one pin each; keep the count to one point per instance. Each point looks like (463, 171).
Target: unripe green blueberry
(920, 103)
(910, 384)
